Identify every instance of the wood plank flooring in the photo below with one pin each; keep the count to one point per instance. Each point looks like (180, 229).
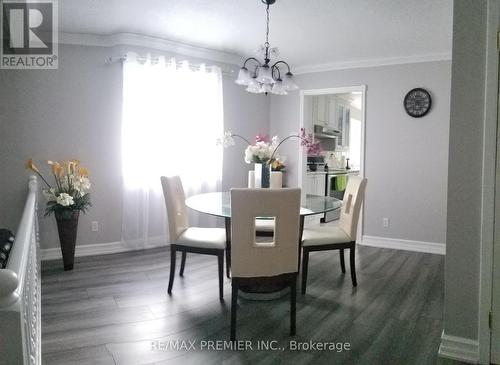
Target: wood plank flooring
(110, 309)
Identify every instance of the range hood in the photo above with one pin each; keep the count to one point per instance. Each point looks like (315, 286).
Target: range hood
(323, 132)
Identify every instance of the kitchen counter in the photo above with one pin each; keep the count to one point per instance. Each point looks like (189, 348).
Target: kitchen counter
(333, 172)
(316, 172)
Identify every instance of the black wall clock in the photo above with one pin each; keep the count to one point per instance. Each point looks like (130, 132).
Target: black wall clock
(417, 102)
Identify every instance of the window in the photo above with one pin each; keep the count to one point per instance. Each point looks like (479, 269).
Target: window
(171, 116)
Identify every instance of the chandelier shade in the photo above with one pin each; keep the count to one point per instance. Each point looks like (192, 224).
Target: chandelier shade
(289, 83)
(254, 87)
(278, 88)
(264, 77)
(244, 77)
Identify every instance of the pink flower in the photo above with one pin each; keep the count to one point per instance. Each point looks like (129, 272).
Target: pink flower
(313, 147)
(262, 138)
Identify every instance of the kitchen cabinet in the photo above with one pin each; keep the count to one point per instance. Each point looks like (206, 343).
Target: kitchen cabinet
(316, 183)
(344, 116)
(333, 113)
(321, 110)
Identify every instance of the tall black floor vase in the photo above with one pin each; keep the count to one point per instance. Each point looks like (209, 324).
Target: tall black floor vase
(67, 227)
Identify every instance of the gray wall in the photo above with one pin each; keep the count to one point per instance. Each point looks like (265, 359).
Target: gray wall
(75, 112)
(406, 159)
(465, 169)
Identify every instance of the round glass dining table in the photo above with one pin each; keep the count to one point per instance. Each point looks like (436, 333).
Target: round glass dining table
(219, 204)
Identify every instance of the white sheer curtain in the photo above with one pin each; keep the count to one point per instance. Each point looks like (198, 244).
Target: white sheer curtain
(171, 117)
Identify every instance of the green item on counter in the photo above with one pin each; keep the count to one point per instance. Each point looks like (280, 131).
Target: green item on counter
(340, 182)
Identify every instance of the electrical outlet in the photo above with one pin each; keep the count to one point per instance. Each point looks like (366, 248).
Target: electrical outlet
(95, 226)
(385, 222)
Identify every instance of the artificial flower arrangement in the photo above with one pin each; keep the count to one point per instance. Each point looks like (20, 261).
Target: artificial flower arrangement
(70, 192)
(264, 149)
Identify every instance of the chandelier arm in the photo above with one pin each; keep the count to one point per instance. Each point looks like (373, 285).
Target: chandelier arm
(251, 59)
(273, 68)
(287, 65)
(259, 64)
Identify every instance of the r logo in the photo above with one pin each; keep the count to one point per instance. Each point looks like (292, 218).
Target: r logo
(29, 28)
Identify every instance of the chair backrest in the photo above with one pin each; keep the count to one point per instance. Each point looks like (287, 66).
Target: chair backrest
(176, 207)
(351, 207)
(250, 258)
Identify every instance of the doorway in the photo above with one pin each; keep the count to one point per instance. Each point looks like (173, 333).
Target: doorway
(335, 117)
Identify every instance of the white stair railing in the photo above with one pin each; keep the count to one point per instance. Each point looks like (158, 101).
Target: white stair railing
(20, 291)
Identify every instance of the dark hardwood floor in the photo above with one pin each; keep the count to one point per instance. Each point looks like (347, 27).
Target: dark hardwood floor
(110, 309)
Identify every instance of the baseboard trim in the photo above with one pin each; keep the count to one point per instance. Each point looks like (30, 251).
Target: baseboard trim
(407, 245)
(102, 249)
(459, 348)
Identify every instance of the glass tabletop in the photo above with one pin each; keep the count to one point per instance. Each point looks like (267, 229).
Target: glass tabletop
(219, 204)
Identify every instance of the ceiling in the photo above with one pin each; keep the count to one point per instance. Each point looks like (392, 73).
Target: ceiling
(311, 32)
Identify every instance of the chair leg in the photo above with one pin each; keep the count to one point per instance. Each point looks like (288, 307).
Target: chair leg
(342, 261)
(300, 256)
(183, 263)
(173, 254)
(305, 265)
(228, 263)
(234, 304)
(220, 259)
(353, 266)
(293, 306)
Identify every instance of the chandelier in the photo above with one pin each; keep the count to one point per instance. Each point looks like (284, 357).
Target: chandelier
(264, 77)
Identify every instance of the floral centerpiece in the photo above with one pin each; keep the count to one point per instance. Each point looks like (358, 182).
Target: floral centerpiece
(66, 199)
(264, 151)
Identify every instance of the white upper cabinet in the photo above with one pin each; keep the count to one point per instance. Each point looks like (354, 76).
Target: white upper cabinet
(333, 113)
(320, 110)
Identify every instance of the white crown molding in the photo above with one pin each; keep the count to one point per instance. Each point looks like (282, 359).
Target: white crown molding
(406, 245)
(138, 40)
(459, 348)
(103, 248)
(376, 62)
(129, 39)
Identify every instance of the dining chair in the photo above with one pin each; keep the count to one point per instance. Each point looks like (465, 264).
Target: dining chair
(273, 262)
(339, 237)
(183, 238)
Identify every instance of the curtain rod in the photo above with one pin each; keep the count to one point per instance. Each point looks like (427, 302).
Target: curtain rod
(123, 58)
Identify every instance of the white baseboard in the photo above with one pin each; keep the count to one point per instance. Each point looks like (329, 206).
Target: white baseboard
(407, 245)
(459, 348)
(103, 248)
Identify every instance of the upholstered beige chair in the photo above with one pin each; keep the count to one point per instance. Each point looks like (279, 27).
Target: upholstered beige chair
(274, 262)
(208, 241)
(340, 236)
